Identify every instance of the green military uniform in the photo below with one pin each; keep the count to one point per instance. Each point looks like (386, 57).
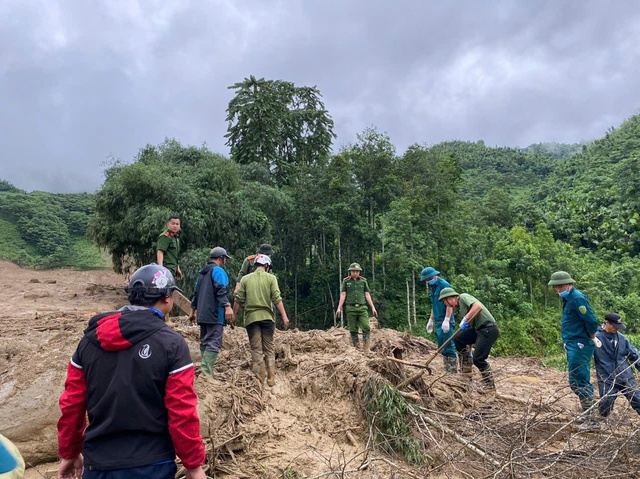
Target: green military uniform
(247, 267)
(356, 307)
(169, 244)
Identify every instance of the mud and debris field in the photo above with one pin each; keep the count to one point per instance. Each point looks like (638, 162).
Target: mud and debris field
(323, 418)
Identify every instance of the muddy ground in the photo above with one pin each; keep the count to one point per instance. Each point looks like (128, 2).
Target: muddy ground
(314, 422)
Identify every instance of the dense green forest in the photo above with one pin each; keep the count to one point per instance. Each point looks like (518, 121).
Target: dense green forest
(495, 221)
(47, 230)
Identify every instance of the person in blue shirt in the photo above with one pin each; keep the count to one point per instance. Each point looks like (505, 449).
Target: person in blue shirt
(614, 363)
(441, 317)
(211, 306)
(579, 326)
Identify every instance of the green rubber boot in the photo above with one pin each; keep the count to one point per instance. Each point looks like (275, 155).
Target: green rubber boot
(355, 340)
(208, 362)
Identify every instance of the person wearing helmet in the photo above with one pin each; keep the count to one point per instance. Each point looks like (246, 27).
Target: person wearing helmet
(248, 263)
(168, 247)
(354, 291)
(132, 375)
(477, 326)
(614, 361)
(211, 303)
(257, 293)
(441, 316)
(578, 328)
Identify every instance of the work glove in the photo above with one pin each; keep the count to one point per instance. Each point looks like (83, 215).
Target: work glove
(446, 324)
(463, 324)
(430, 326)
(597, 342)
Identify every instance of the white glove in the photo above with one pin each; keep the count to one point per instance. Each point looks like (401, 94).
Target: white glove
(446, 324)
(597, 342)
(430, 326)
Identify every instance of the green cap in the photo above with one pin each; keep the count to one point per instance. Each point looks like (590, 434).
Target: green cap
(446, 292)
(355, 267)
(560, 277)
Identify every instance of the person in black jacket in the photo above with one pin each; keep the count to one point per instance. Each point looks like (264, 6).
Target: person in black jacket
(211, 302)
(132, 375)
(614, 362)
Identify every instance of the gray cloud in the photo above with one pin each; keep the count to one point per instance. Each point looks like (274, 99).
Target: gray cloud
(85, 81)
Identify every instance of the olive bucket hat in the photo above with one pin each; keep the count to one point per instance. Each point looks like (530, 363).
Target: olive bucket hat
(447, 292)
(355, 267)
(560, 277)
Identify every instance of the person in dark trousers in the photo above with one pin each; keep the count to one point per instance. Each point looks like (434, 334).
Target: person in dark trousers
(614, 363)
(477, 326)
(211, 301)
(578, 328)
(132, 375)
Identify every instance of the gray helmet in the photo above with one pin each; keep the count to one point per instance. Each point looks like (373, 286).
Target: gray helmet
(355, 267)
(447, 292)
(560, 277)
(266, 249)
(219, 251)
(153, 280)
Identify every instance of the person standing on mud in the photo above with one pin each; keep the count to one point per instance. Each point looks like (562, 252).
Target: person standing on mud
(168, 247)
(477, 326)
(579, 326)
(354, 291)
(248, 264)
(211, 301)
(441, 316)
(614, 362)
(132, 375)
(257, 293)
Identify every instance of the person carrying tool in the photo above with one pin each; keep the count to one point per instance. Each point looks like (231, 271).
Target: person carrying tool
(257, 293)
(441, 316)
(578, 329)
(211, 307)
(614, 361)
(354, 291)
(168, 247)
(477, 326)
(132, 375)
(248, 263)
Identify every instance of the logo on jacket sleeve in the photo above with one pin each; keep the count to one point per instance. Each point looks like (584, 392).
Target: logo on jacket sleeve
(145, 351)
(583, 309)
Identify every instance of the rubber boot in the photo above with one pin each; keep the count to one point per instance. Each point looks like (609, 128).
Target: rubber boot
(466, 363)
(354, 340)
(451, 364)
(367, 343)
(590, 417)
(208, 362)
(271, 373)
(257, 366)
(488, 384)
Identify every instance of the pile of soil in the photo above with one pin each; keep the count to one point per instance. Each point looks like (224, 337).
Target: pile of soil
(318, 420)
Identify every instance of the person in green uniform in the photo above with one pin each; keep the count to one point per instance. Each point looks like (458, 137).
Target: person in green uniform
(354, 292)
(168, 247)
(257, 293)
(248, 263)
(579, 326)
(477, 326)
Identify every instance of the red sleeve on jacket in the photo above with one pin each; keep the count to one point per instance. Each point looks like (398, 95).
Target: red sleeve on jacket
(73, 421)
(184, 425)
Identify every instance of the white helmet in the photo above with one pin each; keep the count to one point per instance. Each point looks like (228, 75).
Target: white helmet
(262, 259)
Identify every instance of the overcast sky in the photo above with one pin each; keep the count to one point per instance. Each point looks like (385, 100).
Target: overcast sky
(81, 81)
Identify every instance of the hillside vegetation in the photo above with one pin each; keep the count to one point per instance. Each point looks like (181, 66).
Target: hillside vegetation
(495, 221)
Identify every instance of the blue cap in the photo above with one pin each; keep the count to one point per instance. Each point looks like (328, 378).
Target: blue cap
(428, 272)
(7, 461)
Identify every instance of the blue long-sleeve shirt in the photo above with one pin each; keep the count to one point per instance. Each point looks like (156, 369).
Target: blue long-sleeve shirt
(578, 319)
(210, 295)
(438, 307)
(615, 358)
